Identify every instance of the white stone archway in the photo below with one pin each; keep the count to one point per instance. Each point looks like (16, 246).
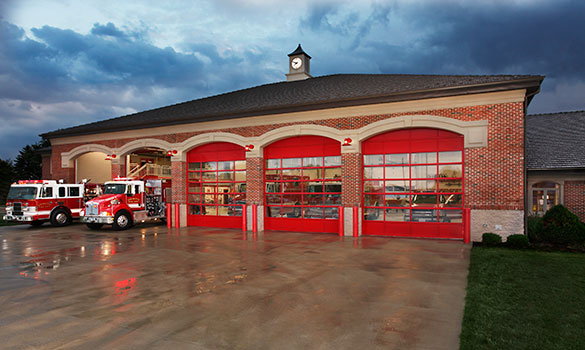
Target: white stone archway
(68, 158)
(198, 140)
(295, 130)
(474, 132)
(143, 143)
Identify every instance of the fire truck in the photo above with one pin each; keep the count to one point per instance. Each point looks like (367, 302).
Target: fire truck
(37, 201)
(127, 201)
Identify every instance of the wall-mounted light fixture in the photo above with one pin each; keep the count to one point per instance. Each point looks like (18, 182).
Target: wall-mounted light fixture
(249, 147)
(171, 153)
(347, 141)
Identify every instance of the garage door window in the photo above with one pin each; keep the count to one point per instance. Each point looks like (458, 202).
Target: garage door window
(215, 188)
(308, 187)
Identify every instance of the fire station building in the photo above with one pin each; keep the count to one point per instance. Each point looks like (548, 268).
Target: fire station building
(410, 152)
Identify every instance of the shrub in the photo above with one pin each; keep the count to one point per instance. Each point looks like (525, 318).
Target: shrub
(560, 226)
(489, 238)
(517, 241)
(533, 227)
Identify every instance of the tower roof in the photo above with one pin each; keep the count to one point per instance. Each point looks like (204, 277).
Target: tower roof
(298, 51)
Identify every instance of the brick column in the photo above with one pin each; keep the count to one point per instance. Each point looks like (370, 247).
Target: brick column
(350, 188)
(254, 181)
(575, 198)
(255, 188)
(179, 181)
(179, 190)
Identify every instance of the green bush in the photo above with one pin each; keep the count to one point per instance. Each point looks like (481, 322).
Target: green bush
(560, 226)
(533, 227)
(489, 238)
(517, 241)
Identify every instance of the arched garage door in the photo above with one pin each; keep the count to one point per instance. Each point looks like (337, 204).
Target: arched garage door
(413, 184)
(302, 177)
(216, 185)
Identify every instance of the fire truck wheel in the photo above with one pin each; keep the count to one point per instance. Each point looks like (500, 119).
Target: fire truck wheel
(94, 226)
(60, 217)
(122, 221)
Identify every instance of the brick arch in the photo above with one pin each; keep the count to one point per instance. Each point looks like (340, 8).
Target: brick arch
(202, 139)
(474, 132)
(68, 158)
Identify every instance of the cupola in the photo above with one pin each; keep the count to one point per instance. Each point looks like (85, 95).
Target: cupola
(299, 67)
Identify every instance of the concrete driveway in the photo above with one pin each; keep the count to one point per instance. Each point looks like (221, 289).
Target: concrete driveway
(195, 288)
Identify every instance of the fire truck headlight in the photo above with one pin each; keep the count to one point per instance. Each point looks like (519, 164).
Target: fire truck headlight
(105, 213)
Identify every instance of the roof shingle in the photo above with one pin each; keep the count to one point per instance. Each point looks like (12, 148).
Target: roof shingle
(315, 93)
(555, 140)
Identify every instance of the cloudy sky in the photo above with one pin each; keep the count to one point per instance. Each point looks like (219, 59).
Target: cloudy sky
(69, 62)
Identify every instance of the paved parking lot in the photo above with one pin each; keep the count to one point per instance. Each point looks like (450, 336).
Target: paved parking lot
(195, 288)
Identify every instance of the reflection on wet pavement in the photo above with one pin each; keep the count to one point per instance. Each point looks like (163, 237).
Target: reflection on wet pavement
(201, 288)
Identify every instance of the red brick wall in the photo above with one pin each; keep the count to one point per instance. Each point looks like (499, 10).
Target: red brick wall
(118, 168)
(65, 174)
(493, 174)
(254, 181)
(351, 179)
(46, 166)
(575, 198)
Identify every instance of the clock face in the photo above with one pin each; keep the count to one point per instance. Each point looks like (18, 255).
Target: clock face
(296, 63)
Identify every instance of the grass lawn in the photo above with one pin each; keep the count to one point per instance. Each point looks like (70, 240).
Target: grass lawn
(524, 300)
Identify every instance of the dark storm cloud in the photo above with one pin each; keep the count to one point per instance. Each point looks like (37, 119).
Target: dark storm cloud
(546, 39)
(107, 30)
(61, 78)
(541, 38)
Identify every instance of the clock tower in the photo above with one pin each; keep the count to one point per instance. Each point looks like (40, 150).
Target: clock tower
(299, 67)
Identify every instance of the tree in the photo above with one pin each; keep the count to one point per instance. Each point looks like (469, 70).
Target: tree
(6, 178)
(28, 165)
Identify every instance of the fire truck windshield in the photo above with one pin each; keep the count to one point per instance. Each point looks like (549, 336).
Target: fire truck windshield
(22, 193)
(115, 189)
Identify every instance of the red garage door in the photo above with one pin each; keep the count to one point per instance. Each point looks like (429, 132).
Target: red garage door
(216, 185)
(302, 180)
(413, 184)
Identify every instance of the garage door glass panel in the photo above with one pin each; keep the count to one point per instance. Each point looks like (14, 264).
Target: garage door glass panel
(423, 183)
(395, 159)
(376, 159)
(397, 186)
(398, 215)
(397, 172)
(373, 186)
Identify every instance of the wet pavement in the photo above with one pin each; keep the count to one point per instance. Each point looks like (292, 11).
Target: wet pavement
(198, 288)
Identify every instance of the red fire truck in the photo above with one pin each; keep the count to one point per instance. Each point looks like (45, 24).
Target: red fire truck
(37, 201)
(128, 201)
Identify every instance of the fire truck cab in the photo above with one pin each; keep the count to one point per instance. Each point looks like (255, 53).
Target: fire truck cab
(127, 201)
(37, 201)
